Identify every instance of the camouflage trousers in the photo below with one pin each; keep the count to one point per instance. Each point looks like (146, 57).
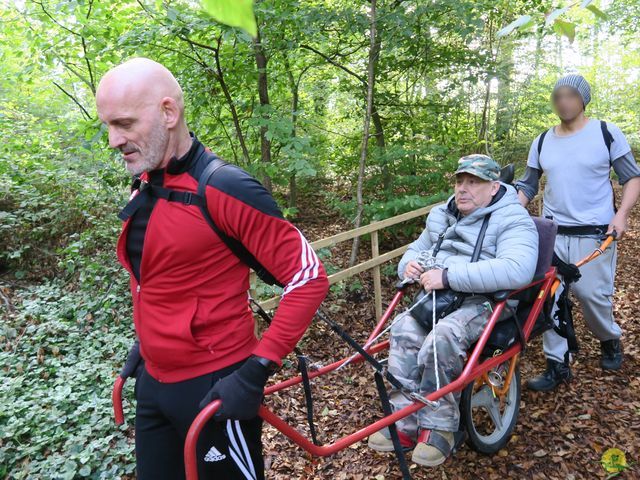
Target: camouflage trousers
(411, 361)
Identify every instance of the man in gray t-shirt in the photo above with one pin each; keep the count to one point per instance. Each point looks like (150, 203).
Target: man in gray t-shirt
(576, 157)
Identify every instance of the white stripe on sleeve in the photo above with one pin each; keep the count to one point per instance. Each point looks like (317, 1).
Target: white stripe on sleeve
(309, 268)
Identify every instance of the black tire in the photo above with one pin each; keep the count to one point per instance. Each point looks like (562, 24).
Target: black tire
(490, 443)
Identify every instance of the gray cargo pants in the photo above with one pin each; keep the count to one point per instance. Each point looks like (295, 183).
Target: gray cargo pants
(411, 361)
(594, 290)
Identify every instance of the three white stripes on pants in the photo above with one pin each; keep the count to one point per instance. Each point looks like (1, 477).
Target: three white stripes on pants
(239, 450)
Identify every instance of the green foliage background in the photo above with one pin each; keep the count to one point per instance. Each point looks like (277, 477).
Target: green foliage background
(446, 85)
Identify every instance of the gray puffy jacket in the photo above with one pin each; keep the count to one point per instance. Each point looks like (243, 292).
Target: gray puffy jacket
(509, 251)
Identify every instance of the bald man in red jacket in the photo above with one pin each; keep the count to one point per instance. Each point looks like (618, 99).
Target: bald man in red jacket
(190, 301)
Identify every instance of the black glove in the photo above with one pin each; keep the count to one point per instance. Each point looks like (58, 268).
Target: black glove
(241, 392)
(135, 364)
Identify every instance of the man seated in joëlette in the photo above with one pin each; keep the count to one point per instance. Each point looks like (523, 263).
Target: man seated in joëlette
(507, 260)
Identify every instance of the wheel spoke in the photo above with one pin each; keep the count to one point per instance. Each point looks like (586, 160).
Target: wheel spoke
(484, 398)
(494, 413)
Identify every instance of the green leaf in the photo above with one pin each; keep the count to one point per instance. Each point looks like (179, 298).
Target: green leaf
(523, 20)
(235, 13)
(567, 29)
(597, 12)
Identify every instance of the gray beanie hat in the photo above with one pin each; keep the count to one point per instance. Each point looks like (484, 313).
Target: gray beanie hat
(577, 82)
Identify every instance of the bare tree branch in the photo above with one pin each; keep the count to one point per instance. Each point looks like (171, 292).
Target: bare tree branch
(336, 64)
(92, 84)
(75, 100)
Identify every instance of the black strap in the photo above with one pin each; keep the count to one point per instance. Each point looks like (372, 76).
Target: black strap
(438, 441)
(136, 202)
(569, 271)
(608, 140)
(356, 346)
(477, 249)
(257, 308)
(308, 396)
(606, 134)
(302, 368)
(179, 196)
(519, 333)
(238, 249)
(436, 249)
(540, 142)
(483, 230)
(564, 317)
(599, 230)
(393, 431)
(564, 314)
(146, 191)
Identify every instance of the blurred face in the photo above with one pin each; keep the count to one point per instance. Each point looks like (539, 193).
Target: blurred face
(137, 129)
(567, 103)
(472, 192)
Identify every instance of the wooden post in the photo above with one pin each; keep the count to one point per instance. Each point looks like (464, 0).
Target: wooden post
(253, 278)
(377, 285)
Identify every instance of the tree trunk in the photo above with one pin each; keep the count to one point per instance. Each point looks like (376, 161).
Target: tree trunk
(381, 144)
(371, 70)
(377, 121)
(483, 135)
(295, 99)
(231, 104)
(263, 95)
(504, 110)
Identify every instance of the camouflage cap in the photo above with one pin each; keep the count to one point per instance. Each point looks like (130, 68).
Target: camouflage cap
(481, 166)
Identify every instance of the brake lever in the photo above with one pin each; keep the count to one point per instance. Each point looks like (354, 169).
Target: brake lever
(402, 284)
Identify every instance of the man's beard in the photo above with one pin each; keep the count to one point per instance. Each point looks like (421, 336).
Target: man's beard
(152, 156)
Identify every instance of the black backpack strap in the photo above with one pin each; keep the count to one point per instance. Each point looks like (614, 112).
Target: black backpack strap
(608, 140)
(136, 202)
(186, 198)
(238, 249)
(540, 142)
(606, 134)
(478, 248)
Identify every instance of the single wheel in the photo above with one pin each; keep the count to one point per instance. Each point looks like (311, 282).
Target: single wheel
(488, 417)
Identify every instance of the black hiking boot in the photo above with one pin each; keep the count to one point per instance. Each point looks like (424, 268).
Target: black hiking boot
(556, 373)
(611, 355)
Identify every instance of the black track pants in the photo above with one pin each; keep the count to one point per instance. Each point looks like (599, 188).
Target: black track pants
(226, 450)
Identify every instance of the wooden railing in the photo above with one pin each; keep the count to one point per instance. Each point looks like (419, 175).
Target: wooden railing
(373, 263)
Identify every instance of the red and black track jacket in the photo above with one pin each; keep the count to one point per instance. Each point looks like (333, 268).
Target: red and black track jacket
(190, 300)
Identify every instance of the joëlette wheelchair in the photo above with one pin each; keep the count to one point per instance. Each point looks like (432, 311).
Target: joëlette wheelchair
(490, 381)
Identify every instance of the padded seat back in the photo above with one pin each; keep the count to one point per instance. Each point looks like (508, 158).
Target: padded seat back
(547, 231)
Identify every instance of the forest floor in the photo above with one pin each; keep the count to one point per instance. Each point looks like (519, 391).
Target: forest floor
(559, 435)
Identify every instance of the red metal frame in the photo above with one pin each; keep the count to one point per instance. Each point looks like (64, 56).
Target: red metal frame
(473, 369)
(470, 373)
(116, 399)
